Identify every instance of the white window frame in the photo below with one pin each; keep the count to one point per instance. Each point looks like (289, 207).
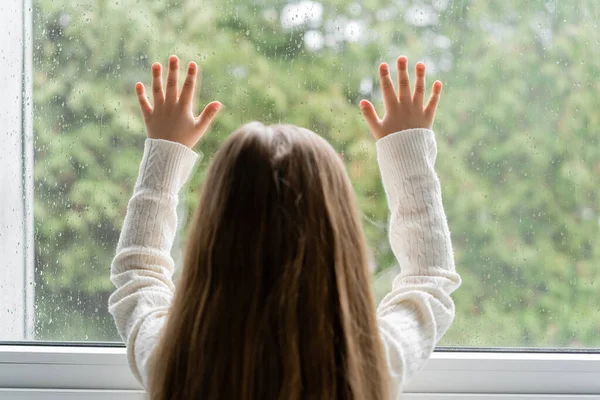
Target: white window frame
(74, 371)
(16, 173)
(103, 371)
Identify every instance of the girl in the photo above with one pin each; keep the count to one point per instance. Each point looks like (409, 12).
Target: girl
(275, 299)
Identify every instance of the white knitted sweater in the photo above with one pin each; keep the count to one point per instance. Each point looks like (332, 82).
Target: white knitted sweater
(412, 317)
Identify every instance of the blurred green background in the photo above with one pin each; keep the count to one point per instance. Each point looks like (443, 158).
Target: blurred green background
(517, 131)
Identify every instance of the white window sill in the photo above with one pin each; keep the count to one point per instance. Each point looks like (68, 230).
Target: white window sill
(36, 394)
(32, 372)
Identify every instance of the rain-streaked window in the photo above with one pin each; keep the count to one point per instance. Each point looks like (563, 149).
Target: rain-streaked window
(517, 131)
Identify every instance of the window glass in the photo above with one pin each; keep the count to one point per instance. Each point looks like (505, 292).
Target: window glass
(517, 131)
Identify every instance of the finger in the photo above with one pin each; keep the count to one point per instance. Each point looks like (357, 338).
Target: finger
(387, 87)
(370, 115)
(158, 96)
(144, 104)
(189, 85)
(207, 116)
(171, 95)
(419, 84)
(434, 99)
(403, 80)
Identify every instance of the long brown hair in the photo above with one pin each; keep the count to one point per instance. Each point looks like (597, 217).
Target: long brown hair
(274, 300)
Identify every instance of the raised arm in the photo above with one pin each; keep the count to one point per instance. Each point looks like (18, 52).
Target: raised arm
(417, 312)
(142, 269)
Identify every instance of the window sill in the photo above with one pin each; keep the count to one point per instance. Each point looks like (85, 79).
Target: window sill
(33, 372)
(49, 394)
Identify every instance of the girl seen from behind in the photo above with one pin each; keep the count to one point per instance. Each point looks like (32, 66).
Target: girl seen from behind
(274, 301)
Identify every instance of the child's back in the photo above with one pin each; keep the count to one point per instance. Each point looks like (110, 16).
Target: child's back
(275, 298)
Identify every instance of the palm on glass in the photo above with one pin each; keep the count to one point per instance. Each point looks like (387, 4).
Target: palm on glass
(403, 110)
(171, 116)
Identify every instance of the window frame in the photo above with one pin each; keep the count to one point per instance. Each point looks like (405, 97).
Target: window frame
(16, 173)
(68, 370)
(487, 374)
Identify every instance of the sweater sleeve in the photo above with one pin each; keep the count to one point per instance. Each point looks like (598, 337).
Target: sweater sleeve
(142, 269)
(418, 311)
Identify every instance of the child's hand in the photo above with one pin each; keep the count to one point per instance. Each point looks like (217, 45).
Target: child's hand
(172, 116)
(402, 111)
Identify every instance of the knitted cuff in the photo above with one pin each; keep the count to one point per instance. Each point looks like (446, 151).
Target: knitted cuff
(406, 153)
(165, 166)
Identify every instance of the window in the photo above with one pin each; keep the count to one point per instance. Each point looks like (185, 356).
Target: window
(517, 133)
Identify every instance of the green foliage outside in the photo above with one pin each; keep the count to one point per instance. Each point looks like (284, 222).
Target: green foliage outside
(517, 130)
